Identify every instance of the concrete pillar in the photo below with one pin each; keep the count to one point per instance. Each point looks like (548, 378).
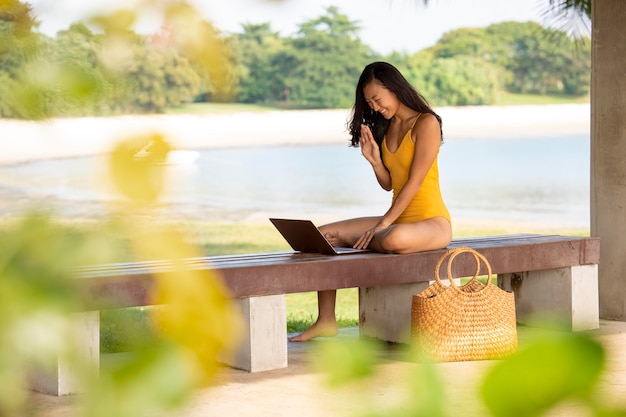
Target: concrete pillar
(264, 342)
(608, 152)
(385, 312)
(62, 376)
(562, 297)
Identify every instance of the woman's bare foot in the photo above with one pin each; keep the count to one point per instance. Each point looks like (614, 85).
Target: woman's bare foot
(339, 241)
(319, 329)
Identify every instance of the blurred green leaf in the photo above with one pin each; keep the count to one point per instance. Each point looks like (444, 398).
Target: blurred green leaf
(199, 41)
(553, 369)
(119, 22)
(37, 264)
(12, 395)
(610, 412)
(136, 167)
(153, 378)
(37, 296)
(427, 395)
(76, 82)
(346, 361)
(198, 315)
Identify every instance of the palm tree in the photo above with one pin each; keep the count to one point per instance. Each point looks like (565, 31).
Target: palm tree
(570, 16)
(579, 7)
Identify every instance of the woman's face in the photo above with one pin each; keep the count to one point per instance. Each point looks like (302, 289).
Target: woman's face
(380, 99)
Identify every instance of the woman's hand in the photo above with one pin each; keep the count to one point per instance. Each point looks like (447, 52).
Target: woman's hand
(369, 147)
(366, 238)
(371, 152)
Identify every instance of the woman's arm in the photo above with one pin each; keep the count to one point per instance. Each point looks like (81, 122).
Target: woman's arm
(371, 152)
(426, 149)
(427, 138)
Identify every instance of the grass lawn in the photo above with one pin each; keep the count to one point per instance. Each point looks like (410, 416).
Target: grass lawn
(235, 238)
(218, 108)
(509, 99)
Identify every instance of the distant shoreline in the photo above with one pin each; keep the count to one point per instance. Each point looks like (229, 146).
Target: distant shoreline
(24, 141)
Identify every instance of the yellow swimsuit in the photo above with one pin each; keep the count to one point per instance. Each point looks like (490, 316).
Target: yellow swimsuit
(428, 201)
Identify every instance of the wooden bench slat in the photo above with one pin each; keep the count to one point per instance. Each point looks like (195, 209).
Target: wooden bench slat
(140, 267)
(129, 284)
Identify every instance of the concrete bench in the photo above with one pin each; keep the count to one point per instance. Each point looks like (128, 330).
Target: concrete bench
(555, 276)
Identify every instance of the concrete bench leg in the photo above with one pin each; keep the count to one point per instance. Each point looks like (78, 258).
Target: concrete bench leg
(264, 341)
(60, 378)
(385, 311)
(564, 296)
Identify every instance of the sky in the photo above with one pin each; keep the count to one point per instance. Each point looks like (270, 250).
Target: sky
(386, 25)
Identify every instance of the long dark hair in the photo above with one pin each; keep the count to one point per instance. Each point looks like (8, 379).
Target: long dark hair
(394, 81)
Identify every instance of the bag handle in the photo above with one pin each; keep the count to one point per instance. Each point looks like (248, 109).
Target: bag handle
(453, 253)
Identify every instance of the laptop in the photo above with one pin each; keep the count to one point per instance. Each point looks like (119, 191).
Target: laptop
(303, 236)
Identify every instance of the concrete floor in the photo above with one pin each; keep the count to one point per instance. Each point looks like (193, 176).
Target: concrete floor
(301, 390)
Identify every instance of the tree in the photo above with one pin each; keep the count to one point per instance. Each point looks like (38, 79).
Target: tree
(529, 58)
(570, 16)
(328, 57)
(159, 78)
(544, 60)
(74, 52)
(207, 51)
(256, 50)
(457, 81)
(19, 44)
(464, 41)
(315, 68)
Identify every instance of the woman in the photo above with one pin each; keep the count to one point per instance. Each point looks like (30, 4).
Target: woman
(399, 135)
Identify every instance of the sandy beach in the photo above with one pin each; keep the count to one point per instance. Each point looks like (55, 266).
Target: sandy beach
(58, 138)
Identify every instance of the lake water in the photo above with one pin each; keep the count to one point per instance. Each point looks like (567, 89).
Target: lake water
(532, 181)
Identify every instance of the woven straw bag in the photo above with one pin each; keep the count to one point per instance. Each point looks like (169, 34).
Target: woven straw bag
(475, 321)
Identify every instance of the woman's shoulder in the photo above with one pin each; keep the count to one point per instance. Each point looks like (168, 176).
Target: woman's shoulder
(426, 119)
(426, 123)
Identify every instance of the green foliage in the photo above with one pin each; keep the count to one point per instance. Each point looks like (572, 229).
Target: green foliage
(347, 360)
(41, 296)
(582, 7)
(129, 73)
(316, 68)
(555, 368)
(346, 363)
(116, 70)
(156, 79)
(428, 396)
(327, 59)
(18, 46)
(528, 57)
(257, 49)
(37, 293)
(154, 378)
(175, 346)
(81, 72)
(458, 81)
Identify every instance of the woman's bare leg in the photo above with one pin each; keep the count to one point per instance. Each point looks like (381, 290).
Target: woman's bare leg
(434, 233)
(429, 234)
(345, 233)
(326, 324)
(340, 234)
